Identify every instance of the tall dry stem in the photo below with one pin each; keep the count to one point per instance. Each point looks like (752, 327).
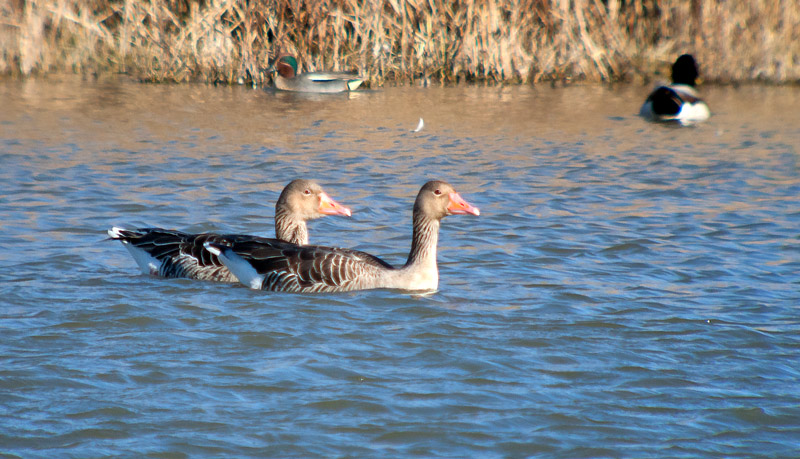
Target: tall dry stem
(403, 41)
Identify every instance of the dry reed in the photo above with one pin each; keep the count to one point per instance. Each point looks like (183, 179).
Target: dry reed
(403, 41)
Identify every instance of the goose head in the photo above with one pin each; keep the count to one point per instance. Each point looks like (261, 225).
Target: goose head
(306, 200)
(438, 199)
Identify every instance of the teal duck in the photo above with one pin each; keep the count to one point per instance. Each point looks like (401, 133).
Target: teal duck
(287, 79)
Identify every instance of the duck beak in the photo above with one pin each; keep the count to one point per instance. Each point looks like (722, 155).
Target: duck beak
(459, 206)
(328, 206)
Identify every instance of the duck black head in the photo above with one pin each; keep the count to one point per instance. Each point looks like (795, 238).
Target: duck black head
(684, 70)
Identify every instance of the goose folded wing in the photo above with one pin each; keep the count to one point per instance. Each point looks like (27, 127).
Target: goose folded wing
(159, 243)
(290, 267)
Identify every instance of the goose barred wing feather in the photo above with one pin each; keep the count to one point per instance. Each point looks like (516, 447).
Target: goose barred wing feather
(290, 268)
(177, 254)
(158, 243)
(326, 269)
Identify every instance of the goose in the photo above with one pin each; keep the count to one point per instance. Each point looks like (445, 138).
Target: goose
(175, 254)
(312, 269)
(679, 101)
(287, 79)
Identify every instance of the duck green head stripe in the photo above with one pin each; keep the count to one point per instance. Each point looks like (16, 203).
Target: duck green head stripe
(290, 61)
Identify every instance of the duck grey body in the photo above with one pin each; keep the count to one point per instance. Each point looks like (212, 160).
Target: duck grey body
(287, 79)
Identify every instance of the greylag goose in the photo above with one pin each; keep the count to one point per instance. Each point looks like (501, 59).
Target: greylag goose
(173, 254)
(678, 101)
(307, 269)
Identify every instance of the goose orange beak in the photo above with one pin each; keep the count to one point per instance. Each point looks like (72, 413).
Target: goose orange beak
(459, 206)
(328, 206)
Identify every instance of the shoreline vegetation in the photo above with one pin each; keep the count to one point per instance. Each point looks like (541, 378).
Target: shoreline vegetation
(404, 41)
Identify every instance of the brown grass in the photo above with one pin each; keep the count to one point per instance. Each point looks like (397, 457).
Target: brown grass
(403, 41)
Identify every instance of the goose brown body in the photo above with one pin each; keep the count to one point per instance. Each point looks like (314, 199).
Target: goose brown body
(311, 269)
(175, 254)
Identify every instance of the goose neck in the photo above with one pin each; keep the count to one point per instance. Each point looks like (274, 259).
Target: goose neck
(290, 228)
(424, 242)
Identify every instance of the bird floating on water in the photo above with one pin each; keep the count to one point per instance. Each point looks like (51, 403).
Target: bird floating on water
(287, 79)
(678, 101)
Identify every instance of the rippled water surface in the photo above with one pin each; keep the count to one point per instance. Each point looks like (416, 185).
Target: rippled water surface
(629, 289)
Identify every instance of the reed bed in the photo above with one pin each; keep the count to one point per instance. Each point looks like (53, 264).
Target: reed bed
(403, 41)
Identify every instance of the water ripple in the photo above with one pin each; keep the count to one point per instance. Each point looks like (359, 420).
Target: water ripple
(628, 291)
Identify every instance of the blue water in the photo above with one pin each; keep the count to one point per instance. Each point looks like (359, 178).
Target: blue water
(629, 289)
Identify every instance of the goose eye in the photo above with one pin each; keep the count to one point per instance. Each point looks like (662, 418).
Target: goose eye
(437, 192)
(306, 191)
